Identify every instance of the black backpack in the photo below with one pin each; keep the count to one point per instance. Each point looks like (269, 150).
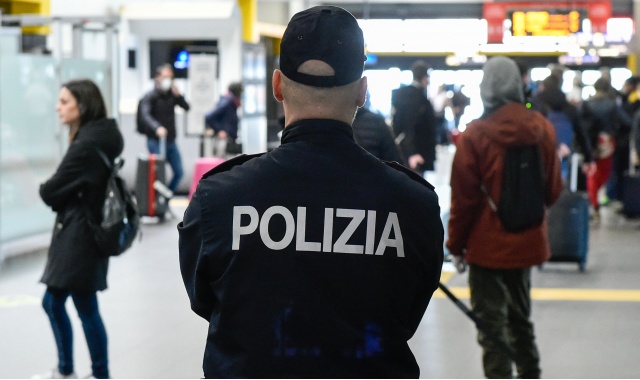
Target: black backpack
(120, 218)
(523, 189)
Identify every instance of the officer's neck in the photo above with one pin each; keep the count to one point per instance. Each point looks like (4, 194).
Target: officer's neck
(292, 116)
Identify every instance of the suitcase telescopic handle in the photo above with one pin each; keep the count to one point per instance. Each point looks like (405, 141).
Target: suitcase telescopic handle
(163, 148)
(573, 181)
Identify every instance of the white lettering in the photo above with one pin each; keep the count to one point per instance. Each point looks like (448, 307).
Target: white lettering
(298, 228)
(371, 232)
(341, 246)
(385, 239)
(301, 226)
(238, 229)
(289, 228)
(328, 230)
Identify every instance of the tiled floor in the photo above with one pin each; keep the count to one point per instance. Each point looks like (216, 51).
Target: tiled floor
(582, 331)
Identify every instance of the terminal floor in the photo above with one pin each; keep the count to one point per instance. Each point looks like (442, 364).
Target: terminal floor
(587, 324)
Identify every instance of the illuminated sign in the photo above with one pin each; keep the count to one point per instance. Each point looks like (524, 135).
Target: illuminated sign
(546, 23)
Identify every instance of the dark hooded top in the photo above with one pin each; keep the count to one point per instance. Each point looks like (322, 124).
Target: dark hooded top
(75, 189)
(479, 160)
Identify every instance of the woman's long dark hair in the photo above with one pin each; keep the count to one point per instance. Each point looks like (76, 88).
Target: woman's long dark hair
(90, 101)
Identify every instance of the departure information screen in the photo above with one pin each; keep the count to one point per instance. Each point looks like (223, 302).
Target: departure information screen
(546, 23)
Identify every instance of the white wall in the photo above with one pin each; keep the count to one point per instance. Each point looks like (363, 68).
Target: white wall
(137, 33)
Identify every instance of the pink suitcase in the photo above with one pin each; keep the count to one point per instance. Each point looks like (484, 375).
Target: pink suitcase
(203, 165)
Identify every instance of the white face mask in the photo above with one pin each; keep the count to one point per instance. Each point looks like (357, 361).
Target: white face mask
(165, 84)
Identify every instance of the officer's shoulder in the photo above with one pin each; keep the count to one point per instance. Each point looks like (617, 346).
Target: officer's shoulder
(231, 163)
(413, 175)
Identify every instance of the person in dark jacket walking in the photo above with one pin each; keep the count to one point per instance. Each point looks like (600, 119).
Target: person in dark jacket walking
(315, 259)
(223, 120)
(570, 131)
(75, 192)
(500, 261)
(629, 105)
(159, 119)
(371, 132)
(414, 121)
(601, 116)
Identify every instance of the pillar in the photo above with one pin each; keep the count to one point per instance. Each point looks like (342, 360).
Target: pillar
(249, 10)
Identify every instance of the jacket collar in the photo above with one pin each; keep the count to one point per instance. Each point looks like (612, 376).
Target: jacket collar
(317, 129)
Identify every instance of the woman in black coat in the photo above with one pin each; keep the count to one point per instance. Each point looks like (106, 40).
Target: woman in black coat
(76, 192)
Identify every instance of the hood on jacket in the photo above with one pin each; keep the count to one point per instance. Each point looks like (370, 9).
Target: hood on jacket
(506, 120)
(501, 84)
(514, 125)
(103, 134)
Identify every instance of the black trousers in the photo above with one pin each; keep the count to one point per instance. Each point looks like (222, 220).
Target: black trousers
(501, 299)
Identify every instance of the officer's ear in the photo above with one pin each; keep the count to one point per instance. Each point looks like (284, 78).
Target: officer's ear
(276, 82)
(362, 92)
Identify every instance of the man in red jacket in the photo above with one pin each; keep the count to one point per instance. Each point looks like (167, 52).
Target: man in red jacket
(500, 261)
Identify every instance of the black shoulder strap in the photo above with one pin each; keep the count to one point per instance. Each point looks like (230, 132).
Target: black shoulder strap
(105, 159)
(112, 165)
(227, 165)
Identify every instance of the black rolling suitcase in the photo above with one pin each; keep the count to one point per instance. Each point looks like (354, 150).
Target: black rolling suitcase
(152, 195)
(568, 222)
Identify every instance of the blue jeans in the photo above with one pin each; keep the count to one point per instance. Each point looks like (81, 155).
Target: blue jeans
(87, 306)
(173, 158)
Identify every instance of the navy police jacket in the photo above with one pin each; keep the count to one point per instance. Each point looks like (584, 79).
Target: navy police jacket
(313, 260)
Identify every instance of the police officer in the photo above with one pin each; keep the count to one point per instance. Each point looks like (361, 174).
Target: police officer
(316, 259)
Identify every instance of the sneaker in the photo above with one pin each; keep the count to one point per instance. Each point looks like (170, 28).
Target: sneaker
(55, 374)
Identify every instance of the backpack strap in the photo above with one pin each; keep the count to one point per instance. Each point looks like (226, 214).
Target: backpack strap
(113, 168)
(492, 204)
(104, 158)
(112, 165)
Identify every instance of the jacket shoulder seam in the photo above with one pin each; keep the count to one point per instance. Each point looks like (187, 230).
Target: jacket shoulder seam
(413, 175)
(228, 165)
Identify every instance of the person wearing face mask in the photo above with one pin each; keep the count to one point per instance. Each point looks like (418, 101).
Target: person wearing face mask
(158, 117)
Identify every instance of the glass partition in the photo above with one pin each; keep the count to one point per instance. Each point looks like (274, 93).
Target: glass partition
(97, 71)
(29, 143)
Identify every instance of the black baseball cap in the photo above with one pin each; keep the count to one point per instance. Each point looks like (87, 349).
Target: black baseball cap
(325, 33)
